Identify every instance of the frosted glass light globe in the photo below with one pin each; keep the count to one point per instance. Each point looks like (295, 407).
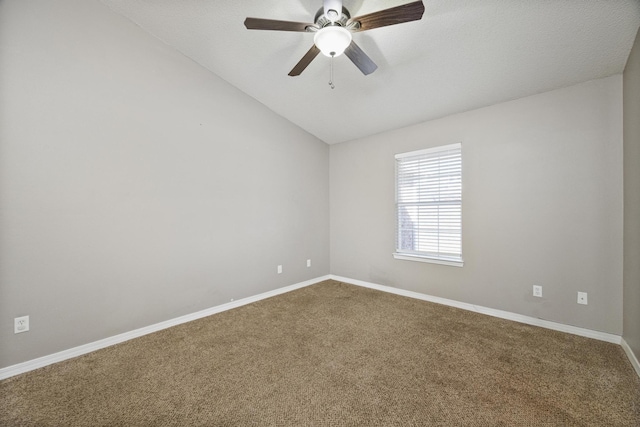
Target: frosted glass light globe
(332, 40)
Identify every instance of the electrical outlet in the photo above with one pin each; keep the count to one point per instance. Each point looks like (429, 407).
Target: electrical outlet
(537, 291)
(20, 324)
(582, 298)
(308, 263)
(279, 269)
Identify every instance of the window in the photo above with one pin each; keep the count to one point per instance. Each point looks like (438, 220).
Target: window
(429, 205)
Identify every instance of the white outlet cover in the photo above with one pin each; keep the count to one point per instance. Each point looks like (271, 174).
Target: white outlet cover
(582, 298)
(537, 291)
(279, 269)
(20, 324)
(308, 263)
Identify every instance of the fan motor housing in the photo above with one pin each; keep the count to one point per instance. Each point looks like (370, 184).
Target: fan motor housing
(322, 21)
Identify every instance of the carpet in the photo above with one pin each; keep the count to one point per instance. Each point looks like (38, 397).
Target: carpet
(334, 354)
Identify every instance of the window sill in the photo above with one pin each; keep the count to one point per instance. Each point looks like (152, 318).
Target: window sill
(407, 257)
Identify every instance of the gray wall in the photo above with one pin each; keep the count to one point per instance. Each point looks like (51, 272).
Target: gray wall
(632, 200)
(135, 186)
(542, 204)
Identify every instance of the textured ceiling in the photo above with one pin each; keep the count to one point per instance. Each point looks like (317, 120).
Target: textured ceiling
(462, 55)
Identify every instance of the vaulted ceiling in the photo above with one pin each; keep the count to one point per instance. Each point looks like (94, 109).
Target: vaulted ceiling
(462, 55)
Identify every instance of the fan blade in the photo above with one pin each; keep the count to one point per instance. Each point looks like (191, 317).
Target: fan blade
(305, 61)
(272, 24)
(395, 15)
(358, 57)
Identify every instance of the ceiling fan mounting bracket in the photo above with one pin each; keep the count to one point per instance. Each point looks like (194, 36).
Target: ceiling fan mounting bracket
(322, 21)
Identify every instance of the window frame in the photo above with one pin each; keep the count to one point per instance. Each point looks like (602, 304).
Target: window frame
(417, 255)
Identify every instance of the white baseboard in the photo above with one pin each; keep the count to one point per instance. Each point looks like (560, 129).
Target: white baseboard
(40, 362)
(632, 357)
(602, 336)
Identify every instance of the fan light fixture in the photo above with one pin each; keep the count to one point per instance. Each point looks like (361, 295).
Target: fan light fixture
(333, 26)
(332, 40)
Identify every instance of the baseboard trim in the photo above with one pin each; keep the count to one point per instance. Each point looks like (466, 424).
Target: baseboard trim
(632, 357)
(602, 336)
(41, 362)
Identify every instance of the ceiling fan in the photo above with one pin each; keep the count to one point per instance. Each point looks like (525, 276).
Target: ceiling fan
(333, 27)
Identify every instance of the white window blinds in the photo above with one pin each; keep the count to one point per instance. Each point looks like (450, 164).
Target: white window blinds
(429, 204)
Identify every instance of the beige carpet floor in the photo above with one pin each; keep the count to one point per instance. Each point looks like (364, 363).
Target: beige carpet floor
(334, 354)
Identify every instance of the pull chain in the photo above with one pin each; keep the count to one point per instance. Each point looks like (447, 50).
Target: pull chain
(331, 71)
